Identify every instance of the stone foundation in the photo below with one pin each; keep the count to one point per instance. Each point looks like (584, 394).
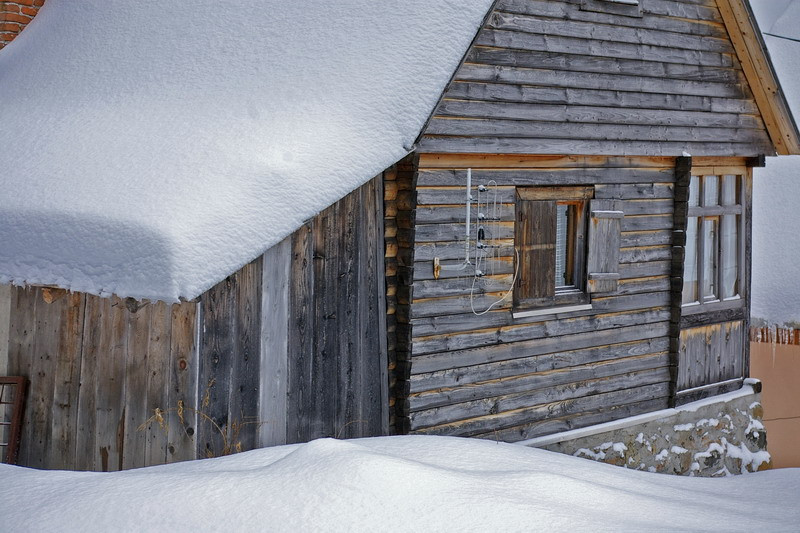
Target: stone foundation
(718, 436)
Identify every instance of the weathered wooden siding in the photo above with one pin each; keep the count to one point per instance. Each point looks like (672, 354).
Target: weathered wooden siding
(98, 368)
(338, 382)
(711, 356)
(547, 77)
(495, 376)
(289, 348)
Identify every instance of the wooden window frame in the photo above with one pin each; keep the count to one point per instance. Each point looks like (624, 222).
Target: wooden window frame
(575, 294)
(703, 213)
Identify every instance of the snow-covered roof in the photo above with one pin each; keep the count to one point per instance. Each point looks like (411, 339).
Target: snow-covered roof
(409, 483)
(150, 148)
(776, 188)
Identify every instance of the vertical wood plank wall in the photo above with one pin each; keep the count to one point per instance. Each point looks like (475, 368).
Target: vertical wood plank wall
(495, 376)
(337, 371)
(551, 77)
(289, 348)
(98, 368)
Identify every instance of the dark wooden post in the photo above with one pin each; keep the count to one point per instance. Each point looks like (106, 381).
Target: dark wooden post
(683, 175)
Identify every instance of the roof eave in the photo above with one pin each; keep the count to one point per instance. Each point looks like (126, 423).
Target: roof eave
(751, 50)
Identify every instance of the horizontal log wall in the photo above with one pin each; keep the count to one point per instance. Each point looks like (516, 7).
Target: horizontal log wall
(549, 77)
(398, 229)
(495, 376)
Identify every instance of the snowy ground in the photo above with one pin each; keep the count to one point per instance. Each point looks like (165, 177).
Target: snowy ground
(395, 484)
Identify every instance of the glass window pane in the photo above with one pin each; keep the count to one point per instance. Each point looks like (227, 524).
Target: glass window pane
(690, 262)
(710, 190)
(729, 243)
(730, 190)
(710, 254)
(562, 238)
(694, 191)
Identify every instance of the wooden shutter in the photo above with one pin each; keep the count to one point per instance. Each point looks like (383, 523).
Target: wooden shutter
(535, 237)
(605, 224)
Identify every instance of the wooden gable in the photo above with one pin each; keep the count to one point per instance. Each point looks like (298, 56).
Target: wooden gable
(560, 76)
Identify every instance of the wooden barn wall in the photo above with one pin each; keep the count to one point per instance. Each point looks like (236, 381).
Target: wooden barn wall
(337, 367)
(494, 376)
(98, 369)
(550, 77)
(289, 348)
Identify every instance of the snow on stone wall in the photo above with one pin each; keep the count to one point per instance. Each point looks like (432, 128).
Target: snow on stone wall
(705, 439)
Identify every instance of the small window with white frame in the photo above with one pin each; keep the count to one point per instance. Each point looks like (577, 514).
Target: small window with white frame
(713, 267)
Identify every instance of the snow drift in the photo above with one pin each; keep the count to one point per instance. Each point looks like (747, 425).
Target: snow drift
(415, 483)
(152, 148)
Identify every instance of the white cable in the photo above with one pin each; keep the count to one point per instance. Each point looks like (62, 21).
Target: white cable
(507, 294)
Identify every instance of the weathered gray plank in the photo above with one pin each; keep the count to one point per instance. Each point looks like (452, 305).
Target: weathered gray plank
(642, 270)
(529, 51)
(592, 80)
(504, 370)
(158, 384)
(632, 239)
(517, 350)
(184, 395)
(87, 451)
(594, 97)
(484, 397)
(634, 191)
(532, 129)
(135, 401)
(572, 11)
(217, 351)
(453, 253)
(274, 344)
(559, 391)
(456, 232)
(575, 121)
(110, 379)
(554, 176)
(243, 404)
(600, 49)
(519, 416)
(302, 326)
(514, 145)
(547, 426)
(589, 30)
(61, 453)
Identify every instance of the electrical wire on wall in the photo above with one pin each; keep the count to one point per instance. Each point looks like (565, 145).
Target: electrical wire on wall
(486, 227)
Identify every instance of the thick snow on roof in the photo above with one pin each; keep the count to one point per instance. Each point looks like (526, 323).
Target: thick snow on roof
(151, 148)
(776, 188)
(416, 483)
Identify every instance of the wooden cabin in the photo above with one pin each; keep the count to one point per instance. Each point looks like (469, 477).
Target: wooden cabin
(567, 244)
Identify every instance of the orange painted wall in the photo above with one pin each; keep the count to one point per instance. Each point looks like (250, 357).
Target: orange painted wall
(778, 367)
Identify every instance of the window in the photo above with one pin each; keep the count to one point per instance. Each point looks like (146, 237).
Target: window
(714, 260)
(567, 244)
